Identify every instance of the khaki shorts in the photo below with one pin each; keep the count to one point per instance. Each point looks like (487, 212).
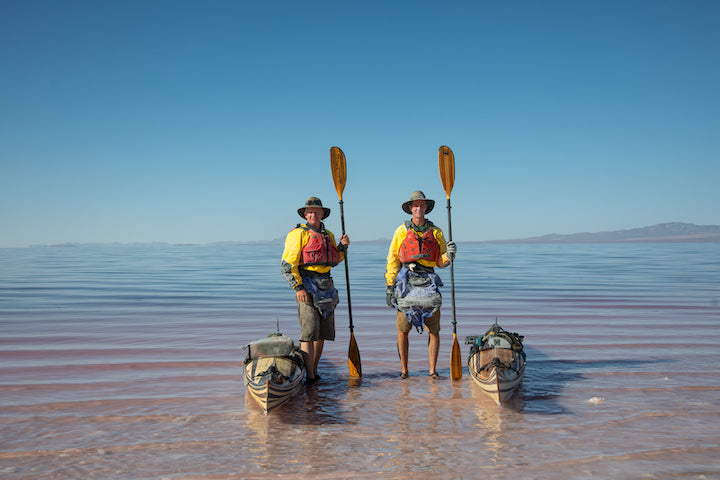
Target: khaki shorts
(432, 323)
(313, 326)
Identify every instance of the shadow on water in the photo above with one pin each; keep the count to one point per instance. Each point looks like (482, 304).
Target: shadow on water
(546, 378)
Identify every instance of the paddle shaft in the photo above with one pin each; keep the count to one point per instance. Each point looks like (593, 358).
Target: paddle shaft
(452, 268)
(347, 270)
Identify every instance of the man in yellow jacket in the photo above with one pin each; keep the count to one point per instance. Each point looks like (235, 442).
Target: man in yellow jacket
(417, 247)
(310, 252)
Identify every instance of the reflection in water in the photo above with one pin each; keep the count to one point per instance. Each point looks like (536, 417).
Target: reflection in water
(414, 426)
(299, 432)
(257, 440)
(489, 415)
(495, 421)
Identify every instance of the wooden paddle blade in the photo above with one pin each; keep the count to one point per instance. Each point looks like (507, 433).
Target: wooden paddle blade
(455, 361)
(339, 172)
(354, 358)
(446, 162)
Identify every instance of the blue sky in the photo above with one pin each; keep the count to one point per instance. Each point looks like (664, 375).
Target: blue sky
(204, 121)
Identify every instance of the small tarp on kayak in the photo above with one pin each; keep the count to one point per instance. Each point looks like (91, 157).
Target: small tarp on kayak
(271, 346)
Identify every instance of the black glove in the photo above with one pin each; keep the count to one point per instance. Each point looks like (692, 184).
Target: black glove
(390, 297)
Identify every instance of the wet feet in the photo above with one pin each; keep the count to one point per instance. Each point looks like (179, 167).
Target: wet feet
(434, 375)
(403, 375)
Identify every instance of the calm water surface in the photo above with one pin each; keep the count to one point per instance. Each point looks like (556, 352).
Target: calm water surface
(123, 362)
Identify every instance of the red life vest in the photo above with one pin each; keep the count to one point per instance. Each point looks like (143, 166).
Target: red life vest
(320, 249)
(416, 247)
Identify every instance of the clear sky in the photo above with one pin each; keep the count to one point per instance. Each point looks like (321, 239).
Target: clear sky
(203, 121)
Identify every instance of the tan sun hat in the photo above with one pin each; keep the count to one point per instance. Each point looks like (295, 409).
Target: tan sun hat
(418, 195)
(313, 202)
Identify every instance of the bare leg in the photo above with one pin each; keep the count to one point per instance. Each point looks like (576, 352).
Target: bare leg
(403, 349)
(318, 346)
(433, 349)
(307, 349)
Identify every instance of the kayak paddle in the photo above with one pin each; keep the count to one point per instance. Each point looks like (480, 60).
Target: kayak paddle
(446, 163)
(337, 164)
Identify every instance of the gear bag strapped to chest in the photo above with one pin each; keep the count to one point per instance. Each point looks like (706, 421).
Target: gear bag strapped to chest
(417, 294)
(417, 246)
(320, 249)
(324, 295)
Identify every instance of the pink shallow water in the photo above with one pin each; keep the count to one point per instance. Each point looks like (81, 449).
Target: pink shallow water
(122, 362)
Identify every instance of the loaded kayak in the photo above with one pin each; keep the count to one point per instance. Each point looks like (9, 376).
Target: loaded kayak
(497, 362)
(274, 370)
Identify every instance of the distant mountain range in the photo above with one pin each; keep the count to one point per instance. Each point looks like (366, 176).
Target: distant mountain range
(661, 233)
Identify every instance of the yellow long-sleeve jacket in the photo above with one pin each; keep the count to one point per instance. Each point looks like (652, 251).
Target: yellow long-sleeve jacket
(292, 266)
(393, 261)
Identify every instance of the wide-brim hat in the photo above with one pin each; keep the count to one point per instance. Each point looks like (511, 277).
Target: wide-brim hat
(418, 195)
(313, 202)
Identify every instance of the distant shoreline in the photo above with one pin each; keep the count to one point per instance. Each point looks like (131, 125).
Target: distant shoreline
(708, 239)
(675, 232)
